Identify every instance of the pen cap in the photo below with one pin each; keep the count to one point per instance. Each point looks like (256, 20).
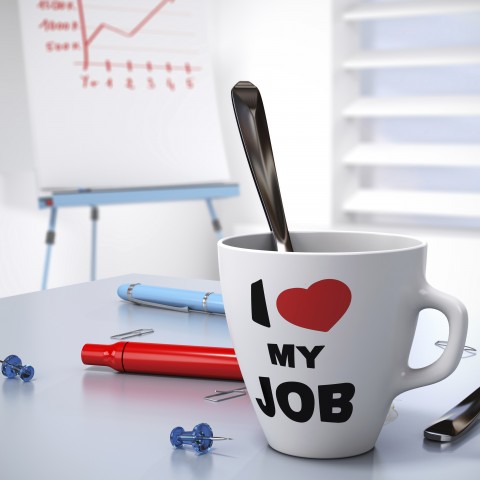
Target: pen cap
(104, 355)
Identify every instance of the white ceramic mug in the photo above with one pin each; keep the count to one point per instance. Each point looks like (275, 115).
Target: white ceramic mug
(323, 334)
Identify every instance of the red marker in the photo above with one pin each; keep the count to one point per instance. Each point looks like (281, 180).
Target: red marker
(163, 359)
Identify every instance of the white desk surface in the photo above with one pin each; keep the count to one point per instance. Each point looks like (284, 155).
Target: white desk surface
(78, 422)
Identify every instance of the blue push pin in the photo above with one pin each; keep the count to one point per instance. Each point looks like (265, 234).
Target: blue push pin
(12, 366)
(200, 438)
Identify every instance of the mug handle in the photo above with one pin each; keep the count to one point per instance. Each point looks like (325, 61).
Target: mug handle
(457, 317)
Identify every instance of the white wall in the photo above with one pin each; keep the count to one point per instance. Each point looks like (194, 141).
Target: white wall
(281, 46)
(284, 49)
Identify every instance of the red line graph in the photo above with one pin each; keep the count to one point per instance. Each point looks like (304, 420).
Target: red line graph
(88, 39)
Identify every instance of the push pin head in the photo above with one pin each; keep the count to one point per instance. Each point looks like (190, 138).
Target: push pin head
(12, 366)
(200, 438)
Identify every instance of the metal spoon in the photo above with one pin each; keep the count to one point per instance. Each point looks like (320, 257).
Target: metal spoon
(456, 421)
(252, 124)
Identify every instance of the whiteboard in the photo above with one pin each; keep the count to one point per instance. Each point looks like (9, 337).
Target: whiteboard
(121, 93)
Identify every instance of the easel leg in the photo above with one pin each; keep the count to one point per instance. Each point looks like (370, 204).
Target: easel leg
(50, 240)
(93, 264)
(217, 227)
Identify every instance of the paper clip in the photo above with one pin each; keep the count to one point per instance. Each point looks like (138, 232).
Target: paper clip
(133, 333)
(470, 351)
(222, 395)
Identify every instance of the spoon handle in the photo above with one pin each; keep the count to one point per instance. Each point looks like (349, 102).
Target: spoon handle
(252, 124)
(456, 421)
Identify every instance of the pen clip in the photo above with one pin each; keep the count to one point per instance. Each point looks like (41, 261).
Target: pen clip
(160, 305)
(184, 309)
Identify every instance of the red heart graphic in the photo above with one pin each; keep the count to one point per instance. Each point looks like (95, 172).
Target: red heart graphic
(319, 307)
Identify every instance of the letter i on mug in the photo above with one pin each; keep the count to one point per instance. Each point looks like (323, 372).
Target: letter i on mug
(323, 334)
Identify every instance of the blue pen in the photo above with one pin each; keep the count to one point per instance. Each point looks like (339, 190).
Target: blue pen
(172, 298)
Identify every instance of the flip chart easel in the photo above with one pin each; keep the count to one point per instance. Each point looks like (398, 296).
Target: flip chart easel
(121, 98)
(94, 198)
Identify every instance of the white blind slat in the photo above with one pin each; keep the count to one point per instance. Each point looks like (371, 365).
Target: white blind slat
(376, 11)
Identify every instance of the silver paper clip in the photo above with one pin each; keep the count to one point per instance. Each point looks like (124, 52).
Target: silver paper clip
(133, 333)
(468, 351)
(222, 395)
